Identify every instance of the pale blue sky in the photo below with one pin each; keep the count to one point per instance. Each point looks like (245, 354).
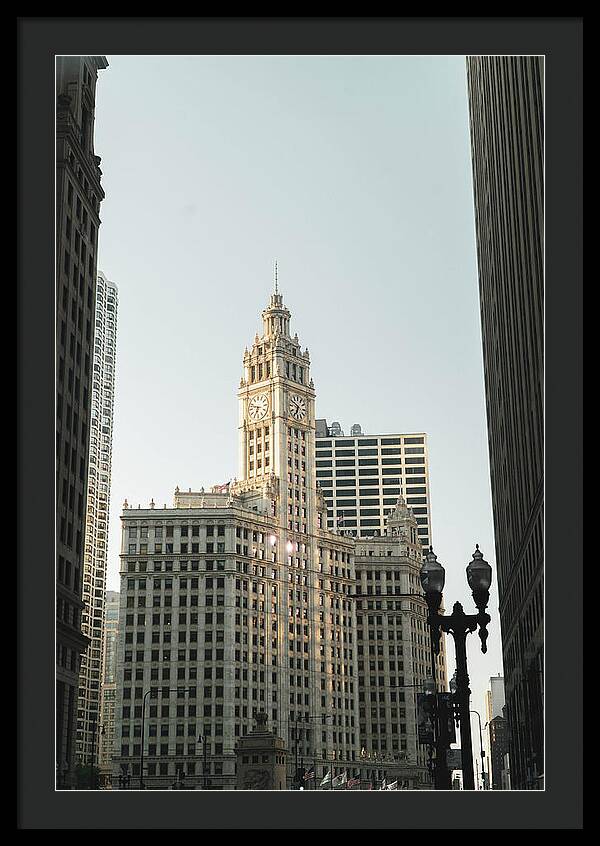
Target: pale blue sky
(354, 173)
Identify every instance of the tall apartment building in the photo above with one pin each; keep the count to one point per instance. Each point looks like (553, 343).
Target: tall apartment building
(362, 476)
(239, 600)
(507, 125)
(78, 198)
(96, 520)
(108, 691)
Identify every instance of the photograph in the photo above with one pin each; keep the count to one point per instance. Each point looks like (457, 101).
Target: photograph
(251, 594)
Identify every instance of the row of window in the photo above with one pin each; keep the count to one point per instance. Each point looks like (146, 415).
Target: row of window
(322, 442)
(168, 548)
(135, 531)
(378, 455)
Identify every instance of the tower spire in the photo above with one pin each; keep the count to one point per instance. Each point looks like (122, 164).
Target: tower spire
(276, 288)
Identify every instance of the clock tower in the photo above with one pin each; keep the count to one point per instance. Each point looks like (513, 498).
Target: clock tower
(312, 622)
(277, 421)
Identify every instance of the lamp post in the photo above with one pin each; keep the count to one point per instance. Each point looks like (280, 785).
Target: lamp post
(146, 694)
(93, 784)
(306, 721)
(124, 778)
(459, 625)
(202, 740)
(432, 576)
(483, 776)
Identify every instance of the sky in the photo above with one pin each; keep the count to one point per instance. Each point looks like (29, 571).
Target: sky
(354, 173)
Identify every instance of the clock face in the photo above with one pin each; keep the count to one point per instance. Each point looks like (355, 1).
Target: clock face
(258, 407)
(297, 407)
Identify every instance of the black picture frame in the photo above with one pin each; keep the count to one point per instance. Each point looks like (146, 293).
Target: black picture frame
(559, 806)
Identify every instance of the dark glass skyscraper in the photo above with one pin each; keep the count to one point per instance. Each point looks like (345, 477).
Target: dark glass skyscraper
(78, 197)
(507, 125)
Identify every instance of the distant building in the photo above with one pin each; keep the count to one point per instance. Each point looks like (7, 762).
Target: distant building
(498, 734)
(494, 698)
(506, 103)
(362, 476)
(78, 198)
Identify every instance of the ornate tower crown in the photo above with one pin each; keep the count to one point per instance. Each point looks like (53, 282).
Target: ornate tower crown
(401, 516)
(276, 317)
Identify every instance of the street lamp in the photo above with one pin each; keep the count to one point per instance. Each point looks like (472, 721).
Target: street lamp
(146, 694)
(202, 740)
(305, 721)
(93, 785)
(481, 750)
(459, 624)
(433, 577)
(124, 778)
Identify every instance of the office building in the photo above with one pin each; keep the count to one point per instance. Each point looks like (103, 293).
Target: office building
(507, 124)
(498, 737)
(494, 698)
(108, 690)
(362, 476)
(96, 520)
(393, 648)
(239, 600)
(78, 198)
(496, 734)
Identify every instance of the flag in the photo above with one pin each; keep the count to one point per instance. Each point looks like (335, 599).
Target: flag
(310, 774)
(363, 752)
(352, 782)
(370, 786)
(339, 780)
(383, 785)
(392, 786)
(326, 780)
